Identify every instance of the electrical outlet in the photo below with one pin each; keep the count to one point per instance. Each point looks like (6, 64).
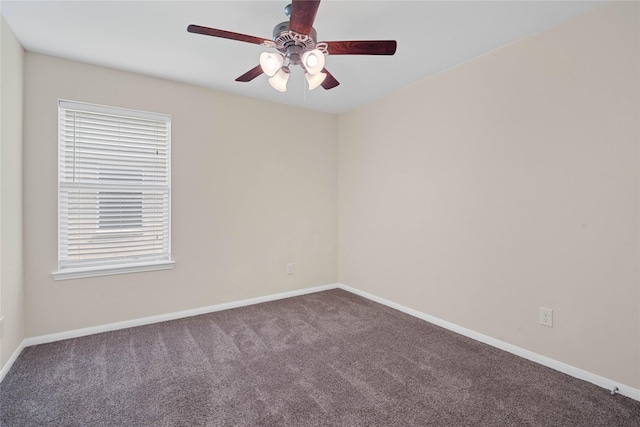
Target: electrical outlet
(546, 317)
(290, 268)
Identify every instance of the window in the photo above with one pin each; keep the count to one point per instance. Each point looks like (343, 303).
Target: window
(114, 190)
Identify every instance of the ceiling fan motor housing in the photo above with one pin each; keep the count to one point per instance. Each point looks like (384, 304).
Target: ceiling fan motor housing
(283, 38)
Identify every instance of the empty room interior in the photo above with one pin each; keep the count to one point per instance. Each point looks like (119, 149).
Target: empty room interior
(444, 231)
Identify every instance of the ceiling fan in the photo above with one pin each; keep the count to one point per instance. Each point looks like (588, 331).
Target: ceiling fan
(296, 43)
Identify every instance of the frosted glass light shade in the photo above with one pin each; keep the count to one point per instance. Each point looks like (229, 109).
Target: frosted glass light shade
(313, 61)
(279, 80)
(270, 63)
(315, 80)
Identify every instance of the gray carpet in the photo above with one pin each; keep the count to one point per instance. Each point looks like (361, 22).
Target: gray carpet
(325, 359)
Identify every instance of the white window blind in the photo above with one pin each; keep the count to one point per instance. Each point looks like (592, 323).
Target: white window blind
(114, 190)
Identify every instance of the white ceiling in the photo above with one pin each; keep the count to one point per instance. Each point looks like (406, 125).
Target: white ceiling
(150, 37)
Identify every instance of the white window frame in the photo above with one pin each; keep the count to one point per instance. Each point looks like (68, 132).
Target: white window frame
(84, 266)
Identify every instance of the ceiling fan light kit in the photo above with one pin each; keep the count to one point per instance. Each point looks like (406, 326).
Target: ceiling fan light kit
(279, 80)
(315, 80)
(271, 63)
(296, 42)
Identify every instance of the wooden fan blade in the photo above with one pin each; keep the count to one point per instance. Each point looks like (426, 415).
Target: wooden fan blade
(251, 74)
(329, 82)
(362, 47)
(303, 13)
(225, 34)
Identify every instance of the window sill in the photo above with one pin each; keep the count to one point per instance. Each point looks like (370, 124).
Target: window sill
(78, 273)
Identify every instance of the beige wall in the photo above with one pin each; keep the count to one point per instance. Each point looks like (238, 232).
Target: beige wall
(252, 191)
(11, 277)
(505, 184)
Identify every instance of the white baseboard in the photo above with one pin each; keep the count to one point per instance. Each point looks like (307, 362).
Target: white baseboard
(606, 383)
(11, 360)
(43, 339)
(518, 351)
